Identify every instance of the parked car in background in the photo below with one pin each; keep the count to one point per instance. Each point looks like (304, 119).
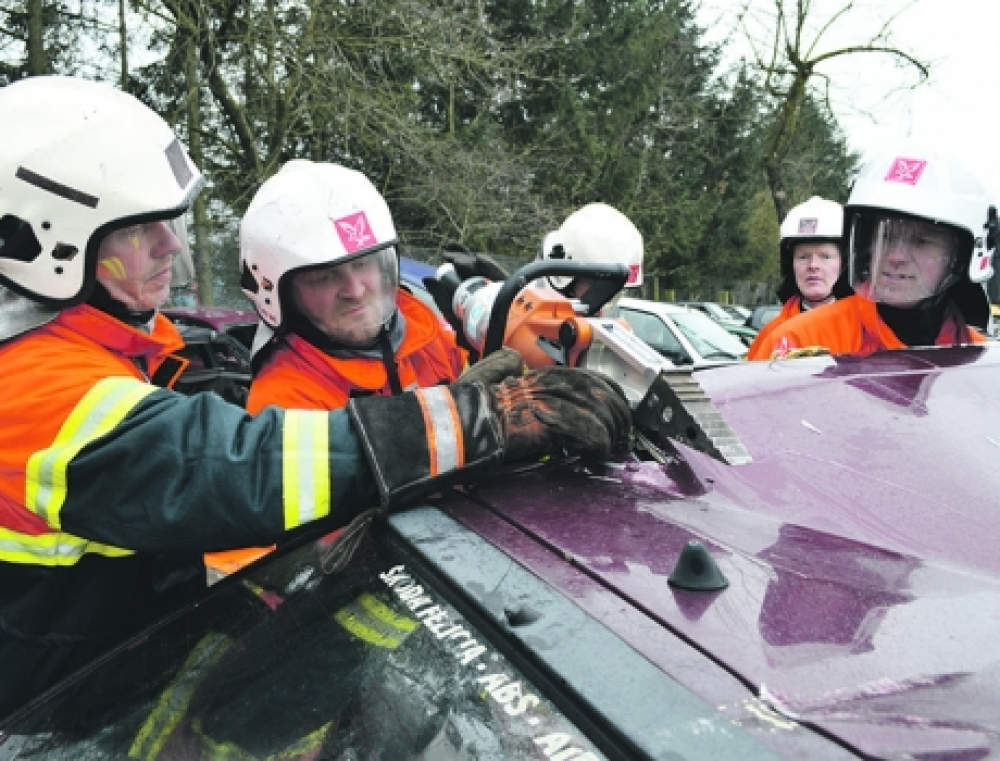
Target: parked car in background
(238, 323)
(739, 313)
(713, 309)
(411, 277)
(682, 335)
(762, 315)
(217, 344)
(722, 314)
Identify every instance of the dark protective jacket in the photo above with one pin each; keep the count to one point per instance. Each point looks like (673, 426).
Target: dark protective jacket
(852, 325)
(111, 488)
(301, 376)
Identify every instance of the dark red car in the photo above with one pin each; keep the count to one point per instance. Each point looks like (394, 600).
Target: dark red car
(834, 595)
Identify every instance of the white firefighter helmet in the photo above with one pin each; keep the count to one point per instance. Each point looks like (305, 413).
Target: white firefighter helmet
(311, 215)
(817, 220)
(79, 159)
(596, 234)
(912, 188)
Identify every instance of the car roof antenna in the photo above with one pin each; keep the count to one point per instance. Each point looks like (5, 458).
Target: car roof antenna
(696, 570)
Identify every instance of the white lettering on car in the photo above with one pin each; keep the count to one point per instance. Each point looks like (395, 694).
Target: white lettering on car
(501, 688)
(554, 747)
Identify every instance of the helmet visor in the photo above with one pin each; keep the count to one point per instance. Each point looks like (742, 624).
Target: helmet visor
(901, 261)
(350, 301)
(182, 268)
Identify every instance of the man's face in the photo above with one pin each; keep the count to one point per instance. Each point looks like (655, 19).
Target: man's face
(910, 259)
(134, 264)
(344, 301)
(816, 267)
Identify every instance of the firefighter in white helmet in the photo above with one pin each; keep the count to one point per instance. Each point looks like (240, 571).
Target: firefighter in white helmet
(318, 253)
(111, 485)
(813, 267)
(920, 238)
(594, 234)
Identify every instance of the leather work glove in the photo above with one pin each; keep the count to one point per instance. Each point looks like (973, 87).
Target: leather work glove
(562, 408)
(422, 441)
(498, 366)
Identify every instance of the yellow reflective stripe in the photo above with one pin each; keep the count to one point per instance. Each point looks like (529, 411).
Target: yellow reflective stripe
(100, 410)
(173, 703)
(56, 549)
(382, 612)
(305, 467)
(371, 621)
(212, 750)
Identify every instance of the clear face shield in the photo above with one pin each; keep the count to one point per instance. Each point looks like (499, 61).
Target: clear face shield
(350, 302)
(901, 261)
(182, 270)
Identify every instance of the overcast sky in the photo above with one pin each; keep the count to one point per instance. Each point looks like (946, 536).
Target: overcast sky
(958, 110)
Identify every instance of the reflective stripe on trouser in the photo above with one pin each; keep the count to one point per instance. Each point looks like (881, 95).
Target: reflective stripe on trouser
(374, 622)
(55, 549)
(173, 703)
(305, 467)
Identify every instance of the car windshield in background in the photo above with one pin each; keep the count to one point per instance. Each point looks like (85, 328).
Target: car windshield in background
(763, 315)
(737, 312)
(710, 339)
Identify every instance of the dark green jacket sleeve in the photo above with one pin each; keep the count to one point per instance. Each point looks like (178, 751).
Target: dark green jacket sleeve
(195, 473)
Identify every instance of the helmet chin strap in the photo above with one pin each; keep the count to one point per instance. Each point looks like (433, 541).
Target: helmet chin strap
(807, 305)
(100, 298)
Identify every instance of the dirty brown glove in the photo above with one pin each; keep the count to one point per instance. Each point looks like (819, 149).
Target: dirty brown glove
(420, 442)
(562, 408)
(502, 364)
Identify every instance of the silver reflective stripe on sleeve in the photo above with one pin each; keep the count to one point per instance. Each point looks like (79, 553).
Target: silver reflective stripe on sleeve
(444, 429)
(56, 549)
(98, 413)
(305, 467)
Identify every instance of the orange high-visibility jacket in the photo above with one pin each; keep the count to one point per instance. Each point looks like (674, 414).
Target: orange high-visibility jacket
(852, 326)
(300, 376)
(111, 488)
(791, 308)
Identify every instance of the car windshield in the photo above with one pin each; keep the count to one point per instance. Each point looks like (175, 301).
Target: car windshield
(737, 312)
(286, 662)
(716, 312)
(710, 339)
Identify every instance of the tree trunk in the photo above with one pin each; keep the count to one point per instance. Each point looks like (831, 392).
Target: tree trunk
(38, 59)
(123, 44)
(775, 181)
(202, 252)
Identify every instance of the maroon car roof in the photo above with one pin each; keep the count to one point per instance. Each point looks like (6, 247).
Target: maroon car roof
(860, 545)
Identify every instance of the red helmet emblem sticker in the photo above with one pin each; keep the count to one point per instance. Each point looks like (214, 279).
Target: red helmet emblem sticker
(354, 231)
(634, 272)
(907, 171)
(808, 226)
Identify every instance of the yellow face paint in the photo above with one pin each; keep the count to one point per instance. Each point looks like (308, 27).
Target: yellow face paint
(114, 267)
